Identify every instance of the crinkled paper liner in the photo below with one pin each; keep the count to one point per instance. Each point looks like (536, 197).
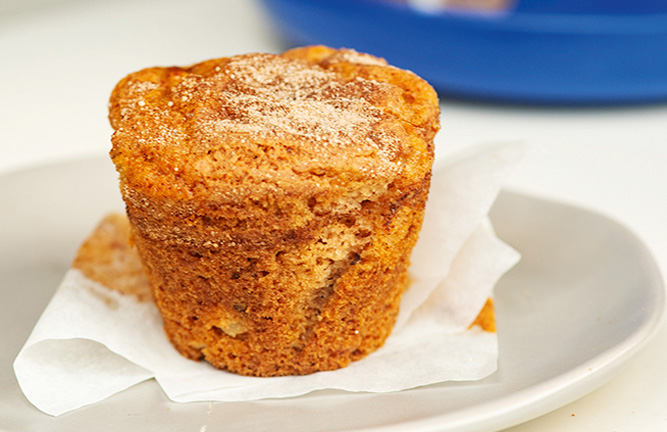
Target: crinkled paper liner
(92, 342)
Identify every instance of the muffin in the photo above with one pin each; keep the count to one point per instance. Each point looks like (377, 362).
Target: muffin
(274, 201)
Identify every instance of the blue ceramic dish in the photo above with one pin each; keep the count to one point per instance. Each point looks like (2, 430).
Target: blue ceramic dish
(551, 51)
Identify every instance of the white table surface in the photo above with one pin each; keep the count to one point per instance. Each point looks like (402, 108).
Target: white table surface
(60, 60)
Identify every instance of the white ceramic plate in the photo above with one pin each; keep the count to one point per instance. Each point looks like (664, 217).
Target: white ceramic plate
(583, 301)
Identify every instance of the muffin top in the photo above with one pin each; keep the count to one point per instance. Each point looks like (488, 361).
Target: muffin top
(310, 117)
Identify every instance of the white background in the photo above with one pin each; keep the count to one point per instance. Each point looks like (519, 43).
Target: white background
(60, 60)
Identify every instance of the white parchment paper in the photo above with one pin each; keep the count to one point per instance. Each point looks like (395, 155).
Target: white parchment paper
(91, 342)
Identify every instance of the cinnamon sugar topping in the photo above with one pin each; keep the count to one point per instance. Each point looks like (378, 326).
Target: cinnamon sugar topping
(266, 99)
(270, 97)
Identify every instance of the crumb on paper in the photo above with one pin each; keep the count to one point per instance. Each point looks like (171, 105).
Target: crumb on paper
(486, 318)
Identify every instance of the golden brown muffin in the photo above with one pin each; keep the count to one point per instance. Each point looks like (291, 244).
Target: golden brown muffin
(274, 201)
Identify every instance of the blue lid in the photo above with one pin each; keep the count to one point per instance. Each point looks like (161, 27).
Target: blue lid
(557, 51)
